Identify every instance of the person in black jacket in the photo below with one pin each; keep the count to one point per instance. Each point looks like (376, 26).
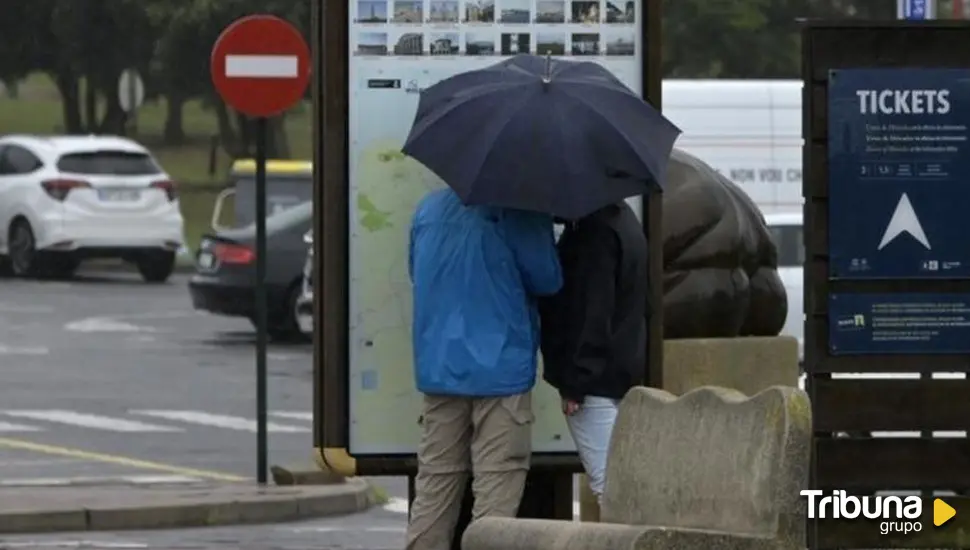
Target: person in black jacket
(594, 331)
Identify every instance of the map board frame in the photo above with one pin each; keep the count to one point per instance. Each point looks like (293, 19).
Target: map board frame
(331, 97)
(849, 402)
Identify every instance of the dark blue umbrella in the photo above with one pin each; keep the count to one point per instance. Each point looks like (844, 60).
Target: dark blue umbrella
(532, 133)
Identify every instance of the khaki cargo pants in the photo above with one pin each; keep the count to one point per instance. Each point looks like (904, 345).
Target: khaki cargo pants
(491, 438)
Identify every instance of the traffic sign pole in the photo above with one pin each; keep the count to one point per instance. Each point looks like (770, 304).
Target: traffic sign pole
(260, 65)
(262, 439)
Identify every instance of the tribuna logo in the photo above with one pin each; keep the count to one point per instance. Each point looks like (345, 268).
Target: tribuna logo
(899, 514)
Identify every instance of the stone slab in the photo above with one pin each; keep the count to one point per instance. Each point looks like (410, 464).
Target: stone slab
(531, 534)
(712, 459)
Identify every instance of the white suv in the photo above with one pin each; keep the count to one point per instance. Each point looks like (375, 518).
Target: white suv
(65, 199)
(786, 231)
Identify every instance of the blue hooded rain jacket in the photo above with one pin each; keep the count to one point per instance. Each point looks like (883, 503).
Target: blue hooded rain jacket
(476, 272)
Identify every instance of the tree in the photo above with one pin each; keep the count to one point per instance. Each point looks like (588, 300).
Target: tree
(182, 66)
(19, 50)
(748, 38)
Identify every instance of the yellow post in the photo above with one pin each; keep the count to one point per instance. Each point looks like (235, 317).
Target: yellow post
(589, 508)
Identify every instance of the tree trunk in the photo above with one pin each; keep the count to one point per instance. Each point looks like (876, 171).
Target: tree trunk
(114, 120)
(90, 105)
(245, 126)
(67, 86)
(174, 130)
(277, 142)
(227, 135)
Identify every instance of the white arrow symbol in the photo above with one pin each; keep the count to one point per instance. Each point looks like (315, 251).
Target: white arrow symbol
(904, 220)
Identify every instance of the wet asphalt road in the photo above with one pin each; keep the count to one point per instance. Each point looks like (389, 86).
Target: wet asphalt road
(105, 376)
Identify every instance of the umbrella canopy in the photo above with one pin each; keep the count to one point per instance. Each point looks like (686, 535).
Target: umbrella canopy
(561, 137)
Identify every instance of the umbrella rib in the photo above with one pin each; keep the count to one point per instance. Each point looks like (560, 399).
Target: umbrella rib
(595, 108)
(524, 101)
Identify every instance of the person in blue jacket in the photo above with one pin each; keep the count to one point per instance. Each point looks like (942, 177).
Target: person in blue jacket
(477, 272)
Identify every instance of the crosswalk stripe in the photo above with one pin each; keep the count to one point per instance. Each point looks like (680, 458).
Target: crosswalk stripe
(10, 427)
(219, 421)
(100, 480)
(294, 415)
(90, 421)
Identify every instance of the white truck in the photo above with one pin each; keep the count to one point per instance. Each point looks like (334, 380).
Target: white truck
(751, 132)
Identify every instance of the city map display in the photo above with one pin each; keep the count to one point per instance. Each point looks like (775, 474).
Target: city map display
(400, 47)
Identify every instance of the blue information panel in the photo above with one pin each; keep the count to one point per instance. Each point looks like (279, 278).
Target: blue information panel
(899, 173)
(909, 323)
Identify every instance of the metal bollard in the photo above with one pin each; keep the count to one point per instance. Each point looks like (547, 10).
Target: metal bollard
(589, 508)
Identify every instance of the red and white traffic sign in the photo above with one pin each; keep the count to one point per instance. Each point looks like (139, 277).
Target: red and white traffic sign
(260, 65)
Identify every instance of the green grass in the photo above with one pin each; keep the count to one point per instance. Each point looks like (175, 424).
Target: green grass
(379, 495)
(37, 110)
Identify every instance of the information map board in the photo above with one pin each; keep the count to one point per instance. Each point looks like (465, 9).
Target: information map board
(397, 48)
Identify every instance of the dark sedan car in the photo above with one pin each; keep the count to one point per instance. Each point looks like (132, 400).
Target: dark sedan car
(224, 282)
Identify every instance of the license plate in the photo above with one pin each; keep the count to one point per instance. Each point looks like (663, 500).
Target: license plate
(206, 260)
(119, 195)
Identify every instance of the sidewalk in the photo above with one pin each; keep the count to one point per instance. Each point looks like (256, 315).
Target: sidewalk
(87, 507)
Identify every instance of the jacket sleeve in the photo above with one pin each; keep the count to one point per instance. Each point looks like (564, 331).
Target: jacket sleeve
(411, 254)
(592, 308)
(532, 241)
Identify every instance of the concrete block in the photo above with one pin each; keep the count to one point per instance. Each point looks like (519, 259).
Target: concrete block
(530, 534)
(748, 365)
(711, 460)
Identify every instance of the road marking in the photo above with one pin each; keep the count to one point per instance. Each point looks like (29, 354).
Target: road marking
(54, 450)
(104, 324)
(95, 480)
(91, 421)
(23, 350)
(86, 544)
(219, 421)
(7, 427)
(262, 66)
(273, 356)
(16, 308)
(397, 505)
(294, 415)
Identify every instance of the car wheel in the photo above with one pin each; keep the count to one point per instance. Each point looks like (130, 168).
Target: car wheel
(156, 266)
(22, 250)
(286, 327)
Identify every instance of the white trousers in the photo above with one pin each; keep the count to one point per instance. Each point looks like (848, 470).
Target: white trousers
(591, 427)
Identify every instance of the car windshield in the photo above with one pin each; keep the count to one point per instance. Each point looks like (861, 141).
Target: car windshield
(122, 163)
(791, 248)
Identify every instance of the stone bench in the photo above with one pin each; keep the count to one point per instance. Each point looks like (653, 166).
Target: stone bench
(710, 470)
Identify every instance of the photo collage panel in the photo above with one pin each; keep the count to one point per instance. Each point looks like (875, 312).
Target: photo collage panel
(575, 28)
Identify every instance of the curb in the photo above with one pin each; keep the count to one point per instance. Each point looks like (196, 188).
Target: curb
(258, 505)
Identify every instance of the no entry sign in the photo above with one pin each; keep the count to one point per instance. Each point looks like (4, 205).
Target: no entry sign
(260, 65)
